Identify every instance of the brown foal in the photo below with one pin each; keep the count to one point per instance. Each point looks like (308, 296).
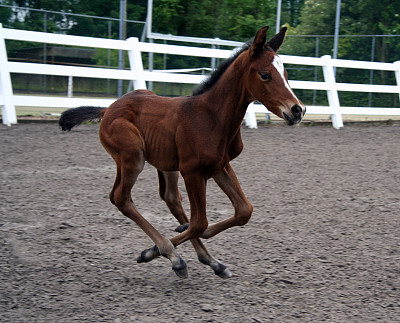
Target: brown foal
(196, 136)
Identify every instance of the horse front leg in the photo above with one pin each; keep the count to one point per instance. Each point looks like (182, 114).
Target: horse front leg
(196, 190)
(228, 182)
(171, 195)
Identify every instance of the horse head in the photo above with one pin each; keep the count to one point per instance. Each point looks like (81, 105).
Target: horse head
(267, 80)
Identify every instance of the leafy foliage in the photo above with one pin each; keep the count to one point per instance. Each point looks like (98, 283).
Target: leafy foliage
(226, 19)
(358, 17)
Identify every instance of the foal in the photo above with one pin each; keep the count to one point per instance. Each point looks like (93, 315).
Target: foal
(196, 136)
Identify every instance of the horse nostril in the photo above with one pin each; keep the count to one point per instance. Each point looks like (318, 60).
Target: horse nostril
(296, 110)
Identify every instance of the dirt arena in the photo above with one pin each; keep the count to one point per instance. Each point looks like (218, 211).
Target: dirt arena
(323, 243)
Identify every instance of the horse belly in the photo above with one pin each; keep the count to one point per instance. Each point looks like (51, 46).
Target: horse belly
(162, 154)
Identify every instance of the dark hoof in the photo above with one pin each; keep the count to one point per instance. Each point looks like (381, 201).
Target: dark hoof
(181, 269)
(226, 273)
(148, 254)
(182, 228)
(222, 271)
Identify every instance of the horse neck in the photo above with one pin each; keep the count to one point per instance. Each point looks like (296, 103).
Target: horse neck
(228, 99)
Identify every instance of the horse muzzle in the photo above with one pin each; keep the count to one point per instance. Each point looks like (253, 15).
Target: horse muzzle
(297, 113)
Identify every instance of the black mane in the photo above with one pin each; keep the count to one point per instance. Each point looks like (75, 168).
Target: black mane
(213, 78)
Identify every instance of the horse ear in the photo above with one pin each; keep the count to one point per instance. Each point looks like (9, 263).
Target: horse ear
(257, 47)
(277, 40)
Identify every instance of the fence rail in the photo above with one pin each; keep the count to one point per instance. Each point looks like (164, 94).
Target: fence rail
(139, 76)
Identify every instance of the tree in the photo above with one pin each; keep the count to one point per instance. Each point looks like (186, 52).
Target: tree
(358, 17)
(226, 19)
(291, 10)
(35, 20)
(373, 17)
(103, 8)
(6, 14)
(316, 18)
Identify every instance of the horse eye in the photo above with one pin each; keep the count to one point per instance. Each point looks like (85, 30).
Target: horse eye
(265, 76)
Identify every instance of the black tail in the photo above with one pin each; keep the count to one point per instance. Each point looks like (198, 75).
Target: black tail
(74, 117)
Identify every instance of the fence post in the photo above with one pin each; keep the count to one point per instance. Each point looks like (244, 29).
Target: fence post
(70, 90)
(397, 74)
(7, 107)
(250, 117)
(333, 96)
(136, 63)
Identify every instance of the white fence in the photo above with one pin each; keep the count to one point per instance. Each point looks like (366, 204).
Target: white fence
(139, 76)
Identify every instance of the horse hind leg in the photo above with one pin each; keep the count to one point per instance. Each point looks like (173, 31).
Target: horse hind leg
(129, 158)
(170, 193)
(116, 182)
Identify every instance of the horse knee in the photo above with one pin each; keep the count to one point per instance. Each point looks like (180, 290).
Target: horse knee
(243, 214)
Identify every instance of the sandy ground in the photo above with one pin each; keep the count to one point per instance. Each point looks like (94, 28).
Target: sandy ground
(323, 243)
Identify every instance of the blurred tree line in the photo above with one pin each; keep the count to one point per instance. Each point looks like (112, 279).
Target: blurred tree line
(237, 20)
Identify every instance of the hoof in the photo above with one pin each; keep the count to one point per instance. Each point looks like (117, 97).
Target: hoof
(225, 274)
(219, 269)
(182, 228)
(181, 269)
(223, 271)
(148, 254)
